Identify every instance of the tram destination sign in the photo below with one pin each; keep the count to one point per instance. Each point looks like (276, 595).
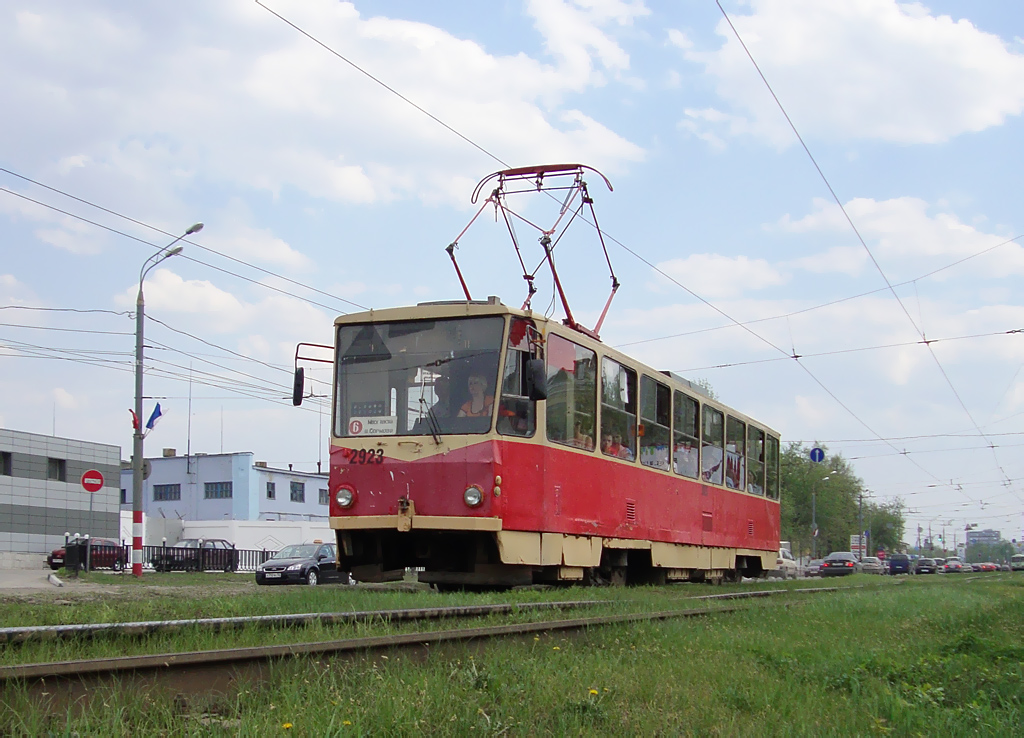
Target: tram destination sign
(374, 425)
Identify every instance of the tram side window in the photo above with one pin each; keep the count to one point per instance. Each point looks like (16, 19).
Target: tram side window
(686, 446)
(655, 417)
(772, 470)
(735, 444)
(572, 393)
(516, 412)
(618, 410)
(755, 460)
(712, 452)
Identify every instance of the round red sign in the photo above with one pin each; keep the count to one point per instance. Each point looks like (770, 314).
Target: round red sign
(92, 480)
(355, 427)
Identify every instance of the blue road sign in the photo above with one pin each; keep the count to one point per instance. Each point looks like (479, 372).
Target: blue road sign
(817, 455)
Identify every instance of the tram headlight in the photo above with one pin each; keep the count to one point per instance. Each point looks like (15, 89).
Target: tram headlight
(345, 497)
(473, 496)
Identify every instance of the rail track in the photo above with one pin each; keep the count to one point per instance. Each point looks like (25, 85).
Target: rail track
(217, 670)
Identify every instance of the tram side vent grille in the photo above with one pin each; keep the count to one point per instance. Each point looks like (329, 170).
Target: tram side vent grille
(631, 511)
(750, 527)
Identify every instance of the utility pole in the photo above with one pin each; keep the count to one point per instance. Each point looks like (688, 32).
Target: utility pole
(814, 525)
(860, 523)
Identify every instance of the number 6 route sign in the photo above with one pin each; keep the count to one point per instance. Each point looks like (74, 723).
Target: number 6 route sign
(92, 481)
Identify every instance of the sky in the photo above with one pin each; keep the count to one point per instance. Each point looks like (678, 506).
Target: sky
(852, 200)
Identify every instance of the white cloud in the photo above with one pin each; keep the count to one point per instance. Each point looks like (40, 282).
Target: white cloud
(65, 400)
(900, 232)
(715, 276)
(228, 94)
(860, 69)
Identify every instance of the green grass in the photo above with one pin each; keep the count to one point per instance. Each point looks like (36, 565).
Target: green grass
(933, 656)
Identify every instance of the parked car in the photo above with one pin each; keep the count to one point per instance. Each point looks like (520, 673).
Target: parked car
(785, 565)
(103, 554)
(871, 565)
(976, 566)
(309, 563)
(839, 563)
(953, 565)
(813, 568)
(925, 566)
(196, 554)
(900, 564)
(988, 566)
(939, 563)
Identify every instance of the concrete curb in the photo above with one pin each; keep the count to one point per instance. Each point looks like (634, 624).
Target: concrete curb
(54, 580)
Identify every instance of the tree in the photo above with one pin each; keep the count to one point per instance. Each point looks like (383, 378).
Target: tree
(835, 493)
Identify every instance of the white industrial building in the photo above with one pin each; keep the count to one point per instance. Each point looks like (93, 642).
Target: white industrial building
(232, 486)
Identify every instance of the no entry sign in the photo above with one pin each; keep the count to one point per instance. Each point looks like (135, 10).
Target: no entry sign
(92, 480)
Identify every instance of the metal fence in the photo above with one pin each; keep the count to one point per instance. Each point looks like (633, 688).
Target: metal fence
(80, 556)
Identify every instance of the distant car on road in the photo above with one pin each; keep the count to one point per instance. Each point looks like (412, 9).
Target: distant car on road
(900, 564)
(103, 554)
(306, 563)
(786, 566)
(988, 566)
(813, 568)
(871, 565)
(925, 566)
(196, 554)
(839, 563)
(953, 565)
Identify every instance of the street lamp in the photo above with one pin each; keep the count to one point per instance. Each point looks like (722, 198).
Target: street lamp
(140, 308)
(814, 514)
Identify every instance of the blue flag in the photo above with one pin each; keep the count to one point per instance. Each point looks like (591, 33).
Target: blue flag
(151, 423)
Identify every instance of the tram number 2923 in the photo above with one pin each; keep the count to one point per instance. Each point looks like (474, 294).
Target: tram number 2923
(363, 456)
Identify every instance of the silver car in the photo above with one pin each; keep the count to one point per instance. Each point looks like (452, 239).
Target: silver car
(871, 565)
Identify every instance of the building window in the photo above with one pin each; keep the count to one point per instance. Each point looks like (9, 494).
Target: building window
(217, 490)
(325, 497)
(5, 463)
(57, 470)
(124, 497)
(298, 491)
(165, 492)
(271, 490)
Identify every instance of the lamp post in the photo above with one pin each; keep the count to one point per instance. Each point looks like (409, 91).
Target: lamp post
(814, 514)
(140, 309)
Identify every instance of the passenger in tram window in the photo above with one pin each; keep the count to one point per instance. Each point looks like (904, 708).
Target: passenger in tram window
(606, 444)
(479, 403)
(441, 408)
(617, 449)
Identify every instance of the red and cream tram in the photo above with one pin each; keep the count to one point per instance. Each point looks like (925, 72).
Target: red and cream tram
(490, 446)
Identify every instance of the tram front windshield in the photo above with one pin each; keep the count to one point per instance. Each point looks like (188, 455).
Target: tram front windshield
(416, 377)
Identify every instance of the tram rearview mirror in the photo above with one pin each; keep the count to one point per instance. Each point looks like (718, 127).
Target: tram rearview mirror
(536, 380)
(298, 386)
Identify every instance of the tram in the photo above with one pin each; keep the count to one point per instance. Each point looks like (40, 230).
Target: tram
(484, 445)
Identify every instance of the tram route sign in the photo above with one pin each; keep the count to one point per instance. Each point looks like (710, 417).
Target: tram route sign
(817, 455)
(374, 425)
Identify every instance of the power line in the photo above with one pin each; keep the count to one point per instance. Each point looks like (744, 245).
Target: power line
(174, 235)
(183, 256)
(856, 232)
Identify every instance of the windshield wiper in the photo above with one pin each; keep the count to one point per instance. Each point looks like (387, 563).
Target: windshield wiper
(435, 426)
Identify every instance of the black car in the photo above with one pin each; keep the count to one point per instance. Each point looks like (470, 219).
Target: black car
(196, 554)
(926, 566)
(838, 564)
(304, 563)
(900, 564)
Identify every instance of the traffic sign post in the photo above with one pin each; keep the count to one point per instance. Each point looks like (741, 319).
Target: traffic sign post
(817, 455)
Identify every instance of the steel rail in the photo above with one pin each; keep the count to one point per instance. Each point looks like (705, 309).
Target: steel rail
(149, 627)
(22, 634)
(220, 657)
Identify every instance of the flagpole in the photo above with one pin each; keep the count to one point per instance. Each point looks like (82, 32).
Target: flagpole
(137, 442)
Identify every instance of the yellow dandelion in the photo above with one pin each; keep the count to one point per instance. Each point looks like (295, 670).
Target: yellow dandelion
(606, 689)
(536, 638)
(555, 648)
(593, 691)
(346, 722)
(286, 726)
